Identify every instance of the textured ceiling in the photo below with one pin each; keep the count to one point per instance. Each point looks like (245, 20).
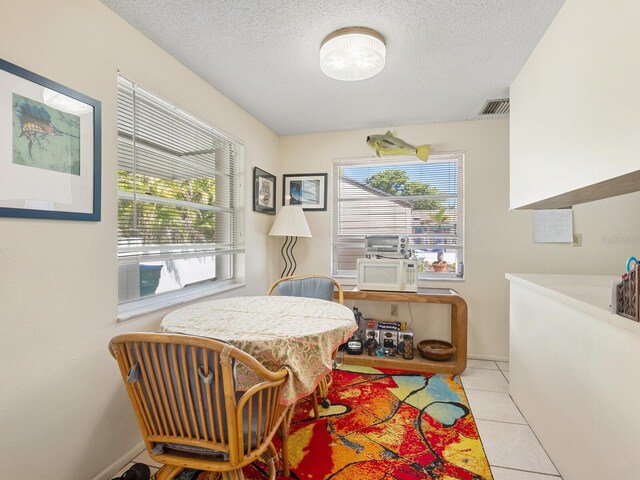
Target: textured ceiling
(445, 58)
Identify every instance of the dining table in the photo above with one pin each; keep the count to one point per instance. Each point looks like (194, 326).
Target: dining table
(297, 333)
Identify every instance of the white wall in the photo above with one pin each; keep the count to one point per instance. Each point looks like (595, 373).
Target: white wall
(575, 105)
(63, 412)
(576, 391)
(497, 240)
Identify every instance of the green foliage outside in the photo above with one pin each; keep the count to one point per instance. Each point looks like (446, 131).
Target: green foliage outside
(439, 217)
(160, 224)
(424, 266)
(396, 182)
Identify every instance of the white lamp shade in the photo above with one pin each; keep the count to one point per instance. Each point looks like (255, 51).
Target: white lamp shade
(290, 222)
(353, 53)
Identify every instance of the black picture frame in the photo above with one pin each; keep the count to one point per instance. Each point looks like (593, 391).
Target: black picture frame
(52, 168)
(308, 190)
(264, 192)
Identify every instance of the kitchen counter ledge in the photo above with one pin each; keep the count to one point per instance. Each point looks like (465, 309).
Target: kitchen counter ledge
(588, 293)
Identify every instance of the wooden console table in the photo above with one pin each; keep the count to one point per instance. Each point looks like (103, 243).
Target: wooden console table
(448, 296)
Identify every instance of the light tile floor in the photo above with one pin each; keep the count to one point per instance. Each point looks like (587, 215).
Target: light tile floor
(513, 451)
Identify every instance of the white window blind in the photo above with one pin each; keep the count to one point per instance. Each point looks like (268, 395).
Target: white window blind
(400, 196)
(180, 192)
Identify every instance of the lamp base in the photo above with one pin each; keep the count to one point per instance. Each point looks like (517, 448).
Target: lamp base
(287, 255)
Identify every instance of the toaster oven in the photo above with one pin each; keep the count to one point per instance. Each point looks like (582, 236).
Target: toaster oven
(386, 245)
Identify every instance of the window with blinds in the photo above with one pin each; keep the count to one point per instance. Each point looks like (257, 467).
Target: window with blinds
(422, 201)
(180, 198)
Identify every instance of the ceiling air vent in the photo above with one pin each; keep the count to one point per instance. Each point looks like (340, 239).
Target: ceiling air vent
(496, 107)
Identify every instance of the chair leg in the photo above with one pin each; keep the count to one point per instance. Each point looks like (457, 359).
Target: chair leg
(270, 456)
(233, 475)
(329, 382)
(316, 412)
(322, 390)
(168, 472)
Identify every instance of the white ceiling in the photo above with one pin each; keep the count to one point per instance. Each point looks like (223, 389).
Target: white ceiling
(445, 58)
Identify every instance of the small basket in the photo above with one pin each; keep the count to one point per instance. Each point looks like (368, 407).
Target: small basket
(627, 295)
(437, 350)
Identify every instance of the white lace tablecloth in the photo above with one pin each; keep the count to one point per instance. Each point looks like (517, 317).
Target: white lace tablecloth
(298, 333)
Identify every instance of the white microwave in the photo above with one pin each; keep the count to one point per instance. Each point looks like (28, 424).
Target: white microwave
(388, 274)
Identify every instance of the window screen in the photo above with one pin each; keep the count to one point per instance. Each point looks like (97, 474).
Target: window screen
(422, 201)
(180, 212)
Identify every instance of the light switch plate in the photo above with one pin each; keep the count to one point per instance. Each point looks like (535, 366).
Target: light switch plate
(577, 239)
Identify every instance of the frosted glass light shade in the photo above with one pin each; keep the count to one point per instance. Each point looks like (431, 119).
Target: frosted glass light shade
(353, 53)
(290, 222)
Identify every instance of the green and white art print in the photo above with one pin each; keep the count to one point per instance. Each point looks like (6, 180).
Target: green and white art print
(44, 137)
(50, 148)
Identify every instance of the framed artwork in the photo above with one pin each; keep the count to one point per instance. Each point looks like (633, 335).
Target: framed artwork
(264, 192)
(50, 148)
(309, 190)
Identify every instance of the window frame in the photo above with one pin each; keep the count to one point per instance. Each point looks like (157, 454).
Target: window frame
(229, 200)
(351, 275)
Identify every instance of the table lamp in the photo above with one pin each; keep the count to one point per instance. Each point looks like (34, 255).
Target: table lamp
(291, 223)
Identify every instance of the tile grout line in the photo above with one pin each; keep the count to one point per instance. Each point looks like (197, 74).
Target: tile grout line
(510, 423)
(475, 423)
(536, 436)
(528, 471)
(482, 390)
(500, 421)
(485, 368)
(475, 418)
(513, 423)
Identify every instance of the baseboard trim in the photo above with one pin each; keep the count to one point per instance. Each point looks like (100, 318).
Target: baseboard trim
(495, 358)
(115, 467)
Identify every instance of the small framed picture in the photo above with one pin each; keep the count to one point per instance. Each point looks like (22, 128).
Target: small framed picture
(264, 192)
(308, 190)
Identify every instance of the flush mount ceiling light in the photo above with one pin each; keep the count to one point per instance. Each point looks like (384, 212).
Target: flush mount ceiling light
(352, 53)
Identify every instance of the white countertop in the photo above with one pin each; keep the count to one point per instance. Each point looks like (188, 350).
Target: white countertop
(589, 293)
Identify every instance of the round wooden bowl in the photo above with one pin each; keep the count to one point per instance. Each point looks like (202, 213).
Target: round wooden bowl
(437, 350)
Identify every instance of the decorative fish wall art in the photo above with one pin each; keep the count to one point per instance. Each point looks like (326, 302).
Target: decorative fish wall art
(388, 144)
(34, 125)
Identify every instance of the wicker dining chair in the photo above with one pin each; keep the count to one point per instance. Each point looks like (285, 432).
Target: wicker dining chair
(183, 392)
(311, 286)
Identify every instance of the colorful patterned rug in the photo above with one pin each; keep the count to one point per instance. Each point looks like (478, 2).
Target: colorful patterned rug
(383, 425)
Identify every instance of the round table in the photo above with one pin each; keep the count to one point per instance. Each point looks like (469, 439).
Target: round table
(298, 333)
